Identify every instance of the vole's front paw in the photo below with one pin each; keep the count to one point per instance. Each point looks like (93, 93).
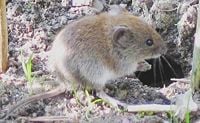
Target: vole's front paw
(143, 66)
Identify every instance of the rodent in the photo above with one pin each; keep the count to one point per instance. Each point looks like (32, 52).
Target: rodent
(95, 49)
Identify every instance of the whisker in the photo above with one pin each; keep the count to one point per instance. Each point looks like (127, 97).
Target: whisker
(169, 66)
(161, 70)
(139, 73)
(154, 70)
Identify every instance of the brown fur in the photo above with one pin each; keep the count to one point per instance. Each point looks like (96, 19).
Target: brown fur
(85, 50)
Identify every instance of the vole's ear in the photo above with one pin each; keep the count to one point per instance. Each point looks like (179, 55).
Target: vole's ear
(121, 36)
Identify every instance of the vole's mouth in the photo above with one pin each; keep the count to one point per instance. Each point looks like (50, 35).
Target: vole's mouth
(153, 56)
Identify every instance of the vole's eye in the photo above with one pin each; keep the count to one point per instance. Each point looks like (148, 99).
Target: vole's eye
(149, 42)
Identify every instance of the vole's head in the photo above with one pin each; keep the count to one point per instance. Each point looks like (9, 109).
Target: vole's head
(134, 40)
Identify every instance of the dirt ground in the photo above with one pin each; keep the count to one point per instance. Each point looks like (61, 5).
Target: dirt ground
(32, 26)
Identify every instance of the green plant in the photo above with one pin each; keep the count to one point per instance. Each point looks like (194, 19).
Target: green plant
(91, 104)
(142, 114)
(173, 118)
(187, 117)
(27, 68)
(187, 114)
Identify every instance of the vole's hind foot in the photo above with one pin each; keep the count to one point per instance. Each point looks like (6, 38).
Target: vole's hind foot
(110, 100)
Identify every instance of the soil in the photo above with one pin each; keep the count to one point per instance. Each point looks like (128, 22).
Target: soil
(32, 26)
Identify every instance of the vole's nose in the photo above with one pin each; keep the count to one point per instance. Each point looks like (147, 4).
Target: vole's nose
(163, 49)
(160, 49)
